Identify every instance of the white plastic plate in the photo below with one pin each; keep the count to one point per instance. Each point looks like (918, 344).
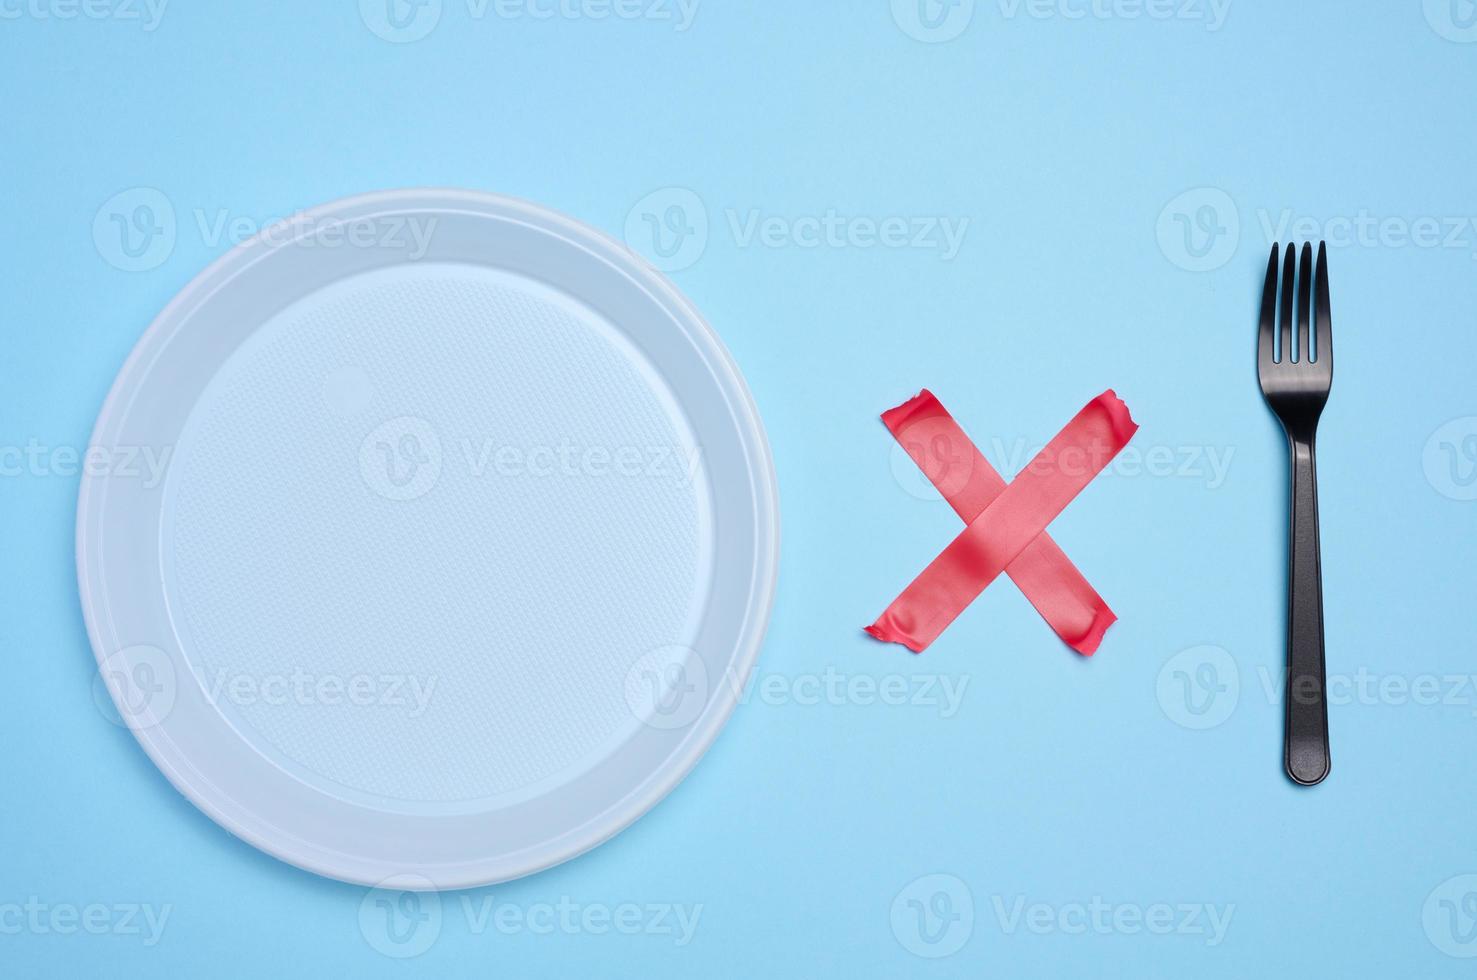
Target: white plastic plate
(429, 537)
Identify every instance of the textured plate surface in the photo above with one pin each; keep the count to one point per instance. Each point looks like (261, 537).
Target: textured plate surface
(463, 552)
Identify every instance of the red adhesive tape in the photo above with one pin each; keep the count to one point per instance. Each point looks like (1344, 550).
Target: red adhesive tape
(1006, 523)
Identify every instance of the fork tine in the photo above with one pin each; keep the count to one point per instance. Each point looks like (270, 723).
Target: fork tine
(1289, 276)
(1264, 351)
(1305, 297)
(1324, 315)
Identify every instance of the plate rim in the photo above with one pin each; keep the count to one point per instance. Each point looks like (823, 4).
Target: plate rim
(656, 785)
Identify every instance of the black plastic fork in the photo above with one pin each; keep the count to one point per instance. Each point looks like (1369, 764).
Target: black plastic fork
(1295, 379)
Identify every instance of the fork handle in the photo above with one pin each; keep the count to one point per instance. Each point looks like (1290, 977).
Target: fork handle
(1306, 735)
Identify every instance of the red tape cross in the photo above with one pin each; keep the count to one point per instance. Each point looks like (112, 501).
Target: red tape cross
(1006, 524)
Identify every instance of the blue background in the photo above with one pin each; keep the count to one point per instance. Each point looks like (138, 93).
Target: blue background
(1067, 142)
